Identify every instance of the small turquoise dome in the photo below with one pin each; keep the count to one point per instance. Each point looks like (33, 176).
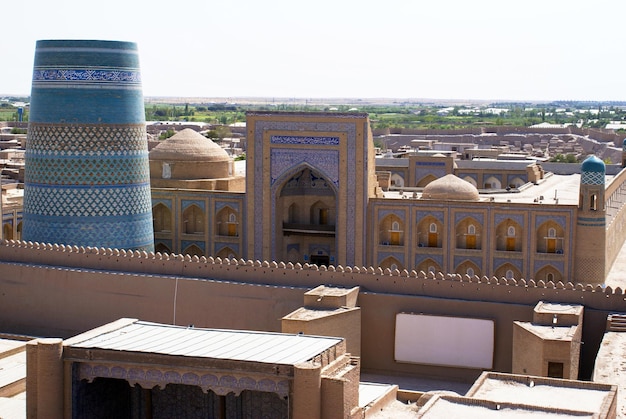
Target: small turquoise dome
(624, 145)
(592, 171)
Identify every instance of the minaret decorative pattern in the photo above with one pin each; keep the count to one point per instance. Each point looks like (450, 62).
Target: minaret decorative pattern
(87, 179)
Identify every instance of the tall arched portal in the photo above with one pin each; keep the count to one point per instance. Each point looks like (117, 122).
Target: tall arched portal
(306, 212)
(309, 179)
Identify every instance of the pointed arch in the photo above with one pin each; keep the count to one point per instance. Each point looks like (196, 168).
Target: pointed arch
(397, 180)
(193, 220)
(162, 218)
(293, 214)
(7, 231)
(549, 273)
(509, 236)
(288, 176)
(550, 238)
(426, 180)
(471, 180)
(321, 214)
(468, 233)
(430, 232)
(516, 182)
(509, 271)
(162, 248)
(193, 250)
(392, 263)
(227, 221)
(19, 231)
(391, 231)
(227, 252)
(305, 215)
(429, 265)
(468, 267)
(492, 182)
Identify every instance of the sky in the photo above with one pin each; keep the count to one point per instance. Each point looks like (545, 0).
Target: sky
(531, 50)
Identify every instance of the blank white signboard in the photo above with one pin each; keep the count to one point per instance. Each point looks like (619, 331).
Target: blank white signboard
(448, 341)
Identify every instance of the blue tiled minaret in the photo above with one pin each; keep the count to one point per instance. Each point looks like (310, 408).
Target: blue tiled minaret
(87, 179)
(590, 262)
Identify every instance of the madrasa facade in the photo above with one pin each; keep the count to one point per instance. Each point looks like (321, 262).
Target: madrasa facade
(314, 192)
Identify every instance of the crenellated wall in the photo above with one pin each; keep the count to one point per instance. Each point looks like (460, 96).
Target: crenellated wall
(53, 290)
(615, 197)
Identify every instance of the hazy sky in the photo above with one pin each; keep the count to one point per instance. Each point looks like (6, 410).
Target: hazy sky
(442, 49)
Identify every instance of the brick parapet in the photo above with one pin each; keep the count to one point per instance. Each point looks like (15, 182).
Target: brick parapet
(377, 280)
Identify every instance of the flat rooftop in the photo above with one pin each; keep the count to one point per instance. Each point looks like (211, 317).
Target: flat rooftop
(564, 333)
(564, 187)
(549, 393)
(610, 366)
(235, 345)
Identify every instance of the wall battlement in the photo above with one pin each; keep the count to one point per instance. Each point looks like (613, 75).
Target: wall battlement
(372, 280)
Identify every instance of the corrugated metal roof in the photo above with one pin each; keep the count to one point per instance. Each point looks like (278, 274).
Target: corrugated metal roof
(237, 345)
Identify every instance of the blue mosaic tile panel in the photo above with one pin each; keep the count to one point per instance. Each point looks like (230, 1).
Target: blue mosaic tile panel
(324, 161)
(82, 81)
(88, 202)
(292, 139)
(592, 178)
(121, 233)
(87, 179)
(43, 76)
(86, 140)
(88, 171)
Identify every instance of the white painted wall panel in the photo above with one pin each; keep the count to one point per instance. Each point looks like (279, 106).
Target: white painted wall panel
(448, 341)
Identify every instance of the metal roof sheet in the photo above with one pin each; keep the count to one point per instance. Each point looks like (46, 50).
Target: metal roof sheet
(237, 345)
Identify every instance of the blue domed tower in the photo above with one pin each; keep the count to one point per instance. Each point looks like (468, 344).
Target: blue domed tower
(87, 179)
(590, 258)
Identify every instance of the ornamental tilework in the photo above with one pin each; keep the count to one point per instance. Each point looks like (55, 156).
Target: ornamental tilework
(223, 204)
(232, 246)
(166, 202)
(558, 265)
(518, 218)
(420, 215)
(399, 256)
(518, 263)
(184, 244)
(186, 203)
(349, 129)
(436, 258)
(558, 219)
(401, 214)
(88, 171)
(86, 140)
(324, 161)
(88, 202)
(291, 139)
(462, 215)
(592, 178)
(87, 178)
(42, 76)
(120, 233)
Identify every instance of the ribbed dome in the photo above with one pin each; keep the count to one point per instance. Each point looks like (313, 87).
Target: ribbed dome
(188, 145)
(451, 187)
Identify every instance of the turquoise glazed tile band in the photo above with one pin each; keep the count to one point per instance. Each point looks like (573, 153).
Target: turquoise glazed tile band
(87, 180)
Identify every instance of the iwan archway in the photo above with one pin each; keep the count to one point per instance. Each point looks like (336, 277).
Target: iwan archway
(306, 218)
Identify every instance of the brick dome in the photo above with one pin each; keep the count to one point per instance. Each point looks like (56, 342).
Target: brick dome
(188, 145)
(451, 187)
